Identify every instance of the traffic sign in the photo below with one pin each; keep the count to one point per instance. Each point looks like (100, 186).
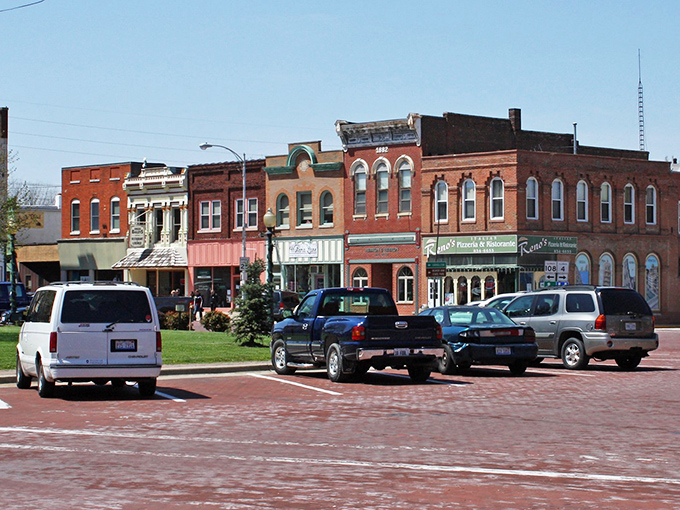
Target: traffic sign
(435, 264)
(243, 263)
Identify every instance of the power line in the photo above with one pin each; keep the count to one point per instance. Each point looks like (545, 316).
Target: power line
(22, 6)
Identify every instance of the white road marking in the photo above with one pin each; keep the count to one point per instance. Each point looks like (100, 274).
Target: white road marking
(561, 372)
(369, 465)
(4, 405)
(285, 381)
(170, 397)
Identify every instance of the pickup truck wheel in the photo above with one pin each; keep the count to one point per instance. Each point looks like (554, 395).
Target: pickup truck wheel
(280, 359)
(45, 387)
(445, 364)
(23, 380)
(334, 364)
(628, 361)
(574, 355)
(419, 374)
(518, 367)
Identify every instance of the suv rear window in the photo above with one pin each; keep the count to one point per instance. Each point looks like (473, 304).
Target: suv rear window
(106, 306)
(623, 302)
(580, 303)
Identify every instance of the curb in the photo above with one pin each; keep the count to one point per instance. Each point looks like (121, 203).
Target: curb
(8, 376)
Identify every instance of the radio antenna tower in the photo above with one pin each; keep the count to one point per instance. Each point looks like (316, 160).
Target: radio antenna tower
(641, 108)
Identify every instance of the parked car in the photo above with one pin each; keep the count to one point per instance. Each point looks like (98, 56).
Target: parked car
(166, 304)
(21, 297)
(485, 336)
(284, 300)
(579, 322)
(7, 317)
(82, 331)
(501, 300)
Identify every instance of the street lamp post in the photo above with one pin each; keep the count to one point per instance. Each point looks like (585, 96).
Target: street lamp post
(269, 221)
(207, 145)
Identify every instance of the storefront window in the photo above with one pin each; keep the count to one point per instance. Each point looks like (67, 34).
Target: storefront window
(606, 276)
(462, 291)
(489, 287)
(475, 288)
(629, 275)
(582, 273)
(405, 285)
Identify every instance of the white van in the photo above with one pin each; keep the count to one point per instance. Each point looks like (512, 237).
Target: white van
(84, 331)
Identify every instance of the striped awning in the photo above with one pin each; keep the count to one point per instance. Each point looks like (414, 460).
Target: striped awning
(152, 257)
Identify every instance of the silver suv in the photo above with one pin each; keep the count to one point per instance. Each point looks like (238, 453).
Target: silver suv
(577, 323)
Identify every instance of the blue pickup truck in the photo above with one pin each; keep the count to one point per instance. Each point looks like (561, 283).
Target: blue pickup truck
(350, 330)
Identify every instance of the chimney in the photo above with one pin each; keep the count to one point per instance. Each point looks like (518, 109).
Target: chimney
(515, 115)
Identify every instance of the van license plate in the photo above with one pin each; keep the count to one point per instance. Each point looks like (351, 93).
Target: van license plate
(631, 326)
(123, 345)
(503, 351)
(402, 352)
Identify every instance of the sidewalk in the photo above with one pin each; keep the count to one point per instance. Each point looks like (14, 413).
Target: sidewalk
(8, 376)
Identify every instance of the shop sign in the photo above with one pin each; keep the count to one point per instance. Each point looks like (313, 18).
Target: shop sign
(303, 249)
(460, 245)
(547, 244)
(136, 236)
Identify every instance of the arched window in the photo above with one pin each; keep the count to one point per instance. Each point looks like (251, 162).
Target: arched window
(405, 285)
(94, 215)
(382, 183)
(441, 202)
(115, 215)
(582, 201)
(326, 204)
(532, 199)
(652, 282)
(557, 200)
(497, 199)
(469, 195)
(359, 173)
(582, 273)
(629, 204)
(606, 203)
(475, 288)
(606, 272)
(75, 217)
(650, 205)
(405, 173)
(360, 277)
(489, 287)
(629, 272)
(461, 290)
(282, 211)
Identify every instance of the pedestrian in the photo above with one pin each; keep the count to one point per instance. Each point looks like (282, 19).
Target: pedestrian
(213, 300)
(198, 305)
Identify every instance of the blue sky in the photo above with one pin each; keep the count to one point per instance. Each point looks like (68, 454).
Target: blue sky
(94, 82)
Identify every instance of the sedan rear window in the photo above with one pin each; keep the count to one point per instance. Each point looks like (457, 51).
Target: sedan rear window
(105, 306)
(623, 302)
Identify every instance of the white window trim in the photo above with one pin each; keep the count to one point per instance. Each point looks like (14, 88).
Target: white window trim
(534, 198)
(631, 203)
(473, 218)
(652, 205)
(111, 229)
(437, 219)
(583, 184)
(561, 201)
(608, 202)
(492, 198)
(211, 212)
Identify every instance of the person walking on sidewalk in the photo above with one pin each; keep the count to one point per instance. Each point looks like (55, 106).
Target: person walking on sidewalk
(198, 305)
(213, 300)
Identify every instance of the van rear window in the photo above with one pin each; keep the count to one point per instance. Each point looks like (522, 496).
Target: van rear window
(623, 302)
(105, 306)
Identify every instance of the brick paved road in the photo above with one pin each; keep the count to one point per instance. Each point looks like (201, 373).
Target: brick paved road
(599, 438)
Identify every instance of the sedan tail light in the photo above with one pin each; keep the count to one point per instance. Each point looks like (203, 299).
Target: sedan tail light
(530, 335)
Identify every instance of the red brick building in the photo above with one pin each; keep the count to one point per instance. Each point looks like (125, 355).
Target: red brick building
(93, 221)
(216, 223)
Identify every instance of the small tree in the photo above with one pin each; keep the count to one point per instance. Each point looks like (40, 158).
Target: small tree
(254, 307)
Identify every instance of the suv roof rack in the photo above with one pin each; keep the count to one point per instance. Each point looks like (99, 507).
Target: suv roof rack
(96, 282)
(566, 287)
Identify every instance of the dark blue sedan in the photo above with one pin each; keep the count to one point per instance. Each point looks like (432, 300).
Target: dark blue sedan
(482, 336)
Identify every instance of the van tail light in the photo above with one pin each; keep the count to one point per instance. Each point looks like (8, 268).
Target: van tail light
(159, 342)
(601, 323)
(359, 332)
(53, 341)
(529, 335)
(439, 332)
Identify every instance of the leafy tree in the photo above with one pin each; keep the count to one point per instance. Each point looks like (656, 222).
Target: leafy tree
(254, 317)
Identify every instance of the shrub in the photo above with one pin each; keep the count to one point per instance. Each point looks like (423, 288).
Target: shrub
(174, 320)
(215, 321)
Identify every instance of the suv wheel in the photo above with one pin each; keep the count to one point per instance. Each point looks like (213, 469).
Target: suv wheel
(628, 361)
(574, 355)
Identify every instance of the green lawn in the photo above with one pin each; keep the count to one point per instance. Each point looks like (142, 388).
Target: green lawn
(178, 347)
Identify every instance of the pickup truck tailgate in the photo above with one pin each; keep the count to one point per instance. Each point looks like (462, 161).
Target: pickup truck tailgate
(399, 331)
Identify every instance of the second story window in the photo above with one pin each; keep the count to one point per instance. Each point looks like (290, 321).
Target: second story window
(557, 200)
(382, 189)
(582, 201)
(176, 215)
(469, 198)
(532, 199)
(650, 205)
(140, 216)
(629, 204)
(158, 224)
(282, 211)
(115, 214)
(94, 216)
(441, 202)
(405, 174)
(326, 208)
(75, 217)
(606, 203)
(304, 208)
(360, 190)
(211, 215)
(497, 199)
